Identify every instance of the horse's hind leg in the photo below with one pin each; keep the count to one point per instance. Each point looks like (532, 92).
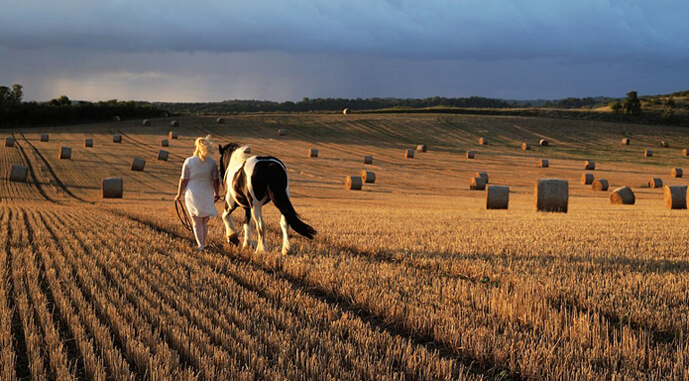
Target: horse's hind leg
(260, 227)
(247, 229)
(230, 230)
(285, 235)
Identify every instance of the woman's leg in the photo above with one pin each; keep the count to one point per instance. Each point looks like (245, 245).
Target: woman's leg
(198, 231)
(205, 229)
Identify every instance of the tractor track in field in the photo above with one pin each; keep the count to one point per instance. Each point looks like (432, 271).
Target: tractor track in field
(36, 183)
(486, 368)
(117, 339)
(66, 338)
(57, 179)
(19, 347)
(145, 145)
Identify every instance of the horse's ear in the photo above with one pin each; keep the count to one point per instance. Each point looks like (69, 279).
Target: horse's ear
(220, 149)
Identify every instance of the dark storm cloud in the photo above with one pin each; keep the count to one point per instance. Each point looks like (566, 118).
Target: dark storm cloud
(483, 29)
(212, 50)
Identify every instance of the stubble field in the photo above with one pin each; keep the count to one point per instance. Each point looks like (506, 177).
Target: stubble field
(410, 278)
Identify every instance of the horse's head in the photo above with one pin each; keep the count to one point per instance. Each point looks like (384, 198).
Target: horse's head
(225, 156)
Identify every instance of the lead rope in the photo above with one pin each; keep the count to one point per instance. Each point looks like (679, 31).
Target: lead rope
(183, 215)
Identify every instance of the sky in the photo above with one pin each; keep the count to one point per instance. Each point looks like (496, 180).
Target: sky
(213, 50)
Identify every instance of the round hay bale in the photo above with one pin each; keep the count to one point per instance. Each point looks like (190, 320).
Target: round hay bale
(88, 143)
(600, 185)
(589, 165)
(9, 141)
(587, 178)
(543, 163)
(65, 153)
(369, 177)
(675, 196)
(622, 196)
(164, 143)
(497, 197)
(482, 141)
(544, 142)
(146, 122)
(655, 182)
(117, 138)
(477, 183)
(138, 164)
(282, 132)
(409, 154)
(664, 144)
(174, 123)
(163, 155)
(685, 152)
(173, 135)
(116, 118)
(353, 183)
(676, 172)
(626, 141)
(648, 153)
(220, 120)
(45, 137)
(19, 173)
(111, 187)
(421, 148)
(313, 152)
(482, 174)
(526, 146)
(471, 154)
(368, 159)
(551, 195)
(346, 111)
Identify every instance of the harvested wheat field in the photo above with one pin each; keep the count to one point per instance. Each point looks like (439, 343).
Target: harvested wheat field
(409, 278)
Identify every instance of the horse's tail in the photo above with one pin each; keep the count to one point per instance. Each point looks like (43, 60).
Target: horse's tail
(277, 191)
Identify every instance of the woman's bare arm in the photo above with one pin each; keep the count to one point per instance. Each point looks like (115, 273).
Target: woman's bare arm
(180, 189)
(216, 189)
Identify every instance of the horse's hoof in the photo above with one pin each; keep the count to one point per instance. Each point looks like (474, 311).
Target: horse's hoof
(286, 251)
(233, 239)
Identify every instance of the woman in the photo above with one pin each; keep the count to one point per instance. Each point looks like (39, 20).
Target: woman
(200, 186)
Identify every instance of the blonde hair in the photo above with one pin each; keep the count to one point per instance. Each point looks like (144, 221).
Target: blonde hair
(203, 147)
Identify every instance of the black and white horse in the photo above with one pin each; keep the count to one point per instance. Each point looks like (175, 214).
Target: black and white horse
(251, 182)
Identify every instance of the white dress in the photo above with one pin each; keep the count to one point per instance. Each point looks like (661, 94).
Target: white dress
(199, 192)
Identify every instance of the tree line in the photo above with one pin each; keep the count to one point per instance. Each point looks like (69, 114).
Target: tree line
(329, 104)
(62, 110)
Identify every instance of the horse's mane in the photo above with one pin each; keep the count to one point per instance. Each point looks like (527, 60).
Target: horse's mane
(238, 158)
(240, 154)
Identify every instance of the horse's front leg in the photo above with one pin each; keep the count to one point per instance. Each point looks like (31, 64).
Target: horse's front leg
(230, 230)
(247, 229)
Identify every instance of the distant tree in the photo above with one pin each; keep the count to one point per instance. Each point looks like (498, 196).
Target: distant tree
(10, 97)
(632, 104)
(62, 100)
(4, 95)
(17, 94)
(615, 106)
